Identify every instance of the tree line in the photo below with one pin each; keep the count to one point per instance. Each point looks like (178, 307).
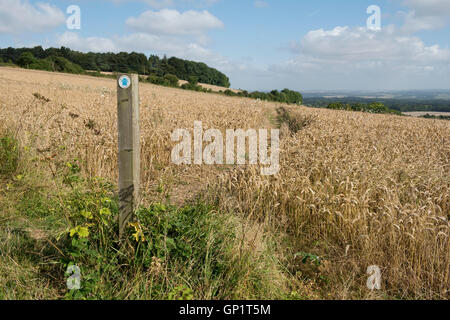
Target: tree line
(284, 96)
(373, 107)
(402, 105)
(165, 72)
(112, 62)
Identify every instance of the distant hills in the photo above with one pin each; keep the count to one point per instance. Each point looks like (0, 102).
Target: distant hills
(403, 101)
(442, 94)
(67, 60)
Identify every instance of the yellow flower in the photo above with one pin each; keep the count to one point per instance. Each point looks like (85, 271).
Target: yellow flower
(139, 234)
(82, 232)
(105, 212)
(87, 214)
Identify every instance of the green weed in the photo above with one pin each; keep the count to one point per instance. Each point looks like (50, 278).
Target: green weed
(9, 154)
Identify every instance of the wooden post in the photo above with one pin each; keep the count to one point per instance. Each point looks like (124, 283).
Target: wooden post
(129, 147)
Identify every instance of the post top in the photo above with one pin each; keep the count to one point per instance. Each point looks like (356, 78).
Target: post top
(124, 82)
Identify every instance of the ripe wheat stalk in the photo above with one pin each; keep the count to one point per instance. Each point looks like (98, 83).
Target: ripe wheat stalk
(361, 189)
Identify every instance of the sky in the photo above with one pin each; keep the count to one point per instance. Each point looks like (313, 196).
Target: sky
(259, 44)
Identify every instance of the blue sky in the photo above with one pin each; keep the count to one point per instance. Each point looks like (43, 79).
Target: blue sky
(302, 45)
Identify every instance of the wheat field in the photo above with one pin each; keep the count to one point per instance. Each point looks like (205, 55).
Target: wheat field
(355, 189)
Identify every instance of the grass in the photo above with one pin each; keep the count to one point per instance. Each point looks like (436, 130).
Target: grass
(354, 190)
(189, 252)
(8, 154)
(293, 121)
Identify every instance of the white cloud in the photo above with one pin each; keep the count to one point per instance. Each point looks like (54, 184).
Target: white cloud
(133, 42)
(74, 41)
(350, 45)
(167, 31)
(426, 15)
(142, 42)
(260, 4)
(357, 58)
(169, 21)
(160, 4)
(17, 16)
(429, 7)
(362, 44)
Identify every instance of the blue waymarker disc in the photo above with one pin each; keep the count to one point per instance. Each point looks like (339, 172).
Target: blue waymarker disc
(124, 82)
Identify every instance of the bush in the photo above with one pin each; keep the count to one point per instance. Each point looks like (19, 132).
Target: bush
(26, 60)
(44, 64)
(374, 107)
(377, 107)
(193, 80)
(285, 96)
(52, 63)
(153, 78)
(290, 96)
(61, 64)
(171, 80)
(190, 86)
(9, 154)
(229, 93)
